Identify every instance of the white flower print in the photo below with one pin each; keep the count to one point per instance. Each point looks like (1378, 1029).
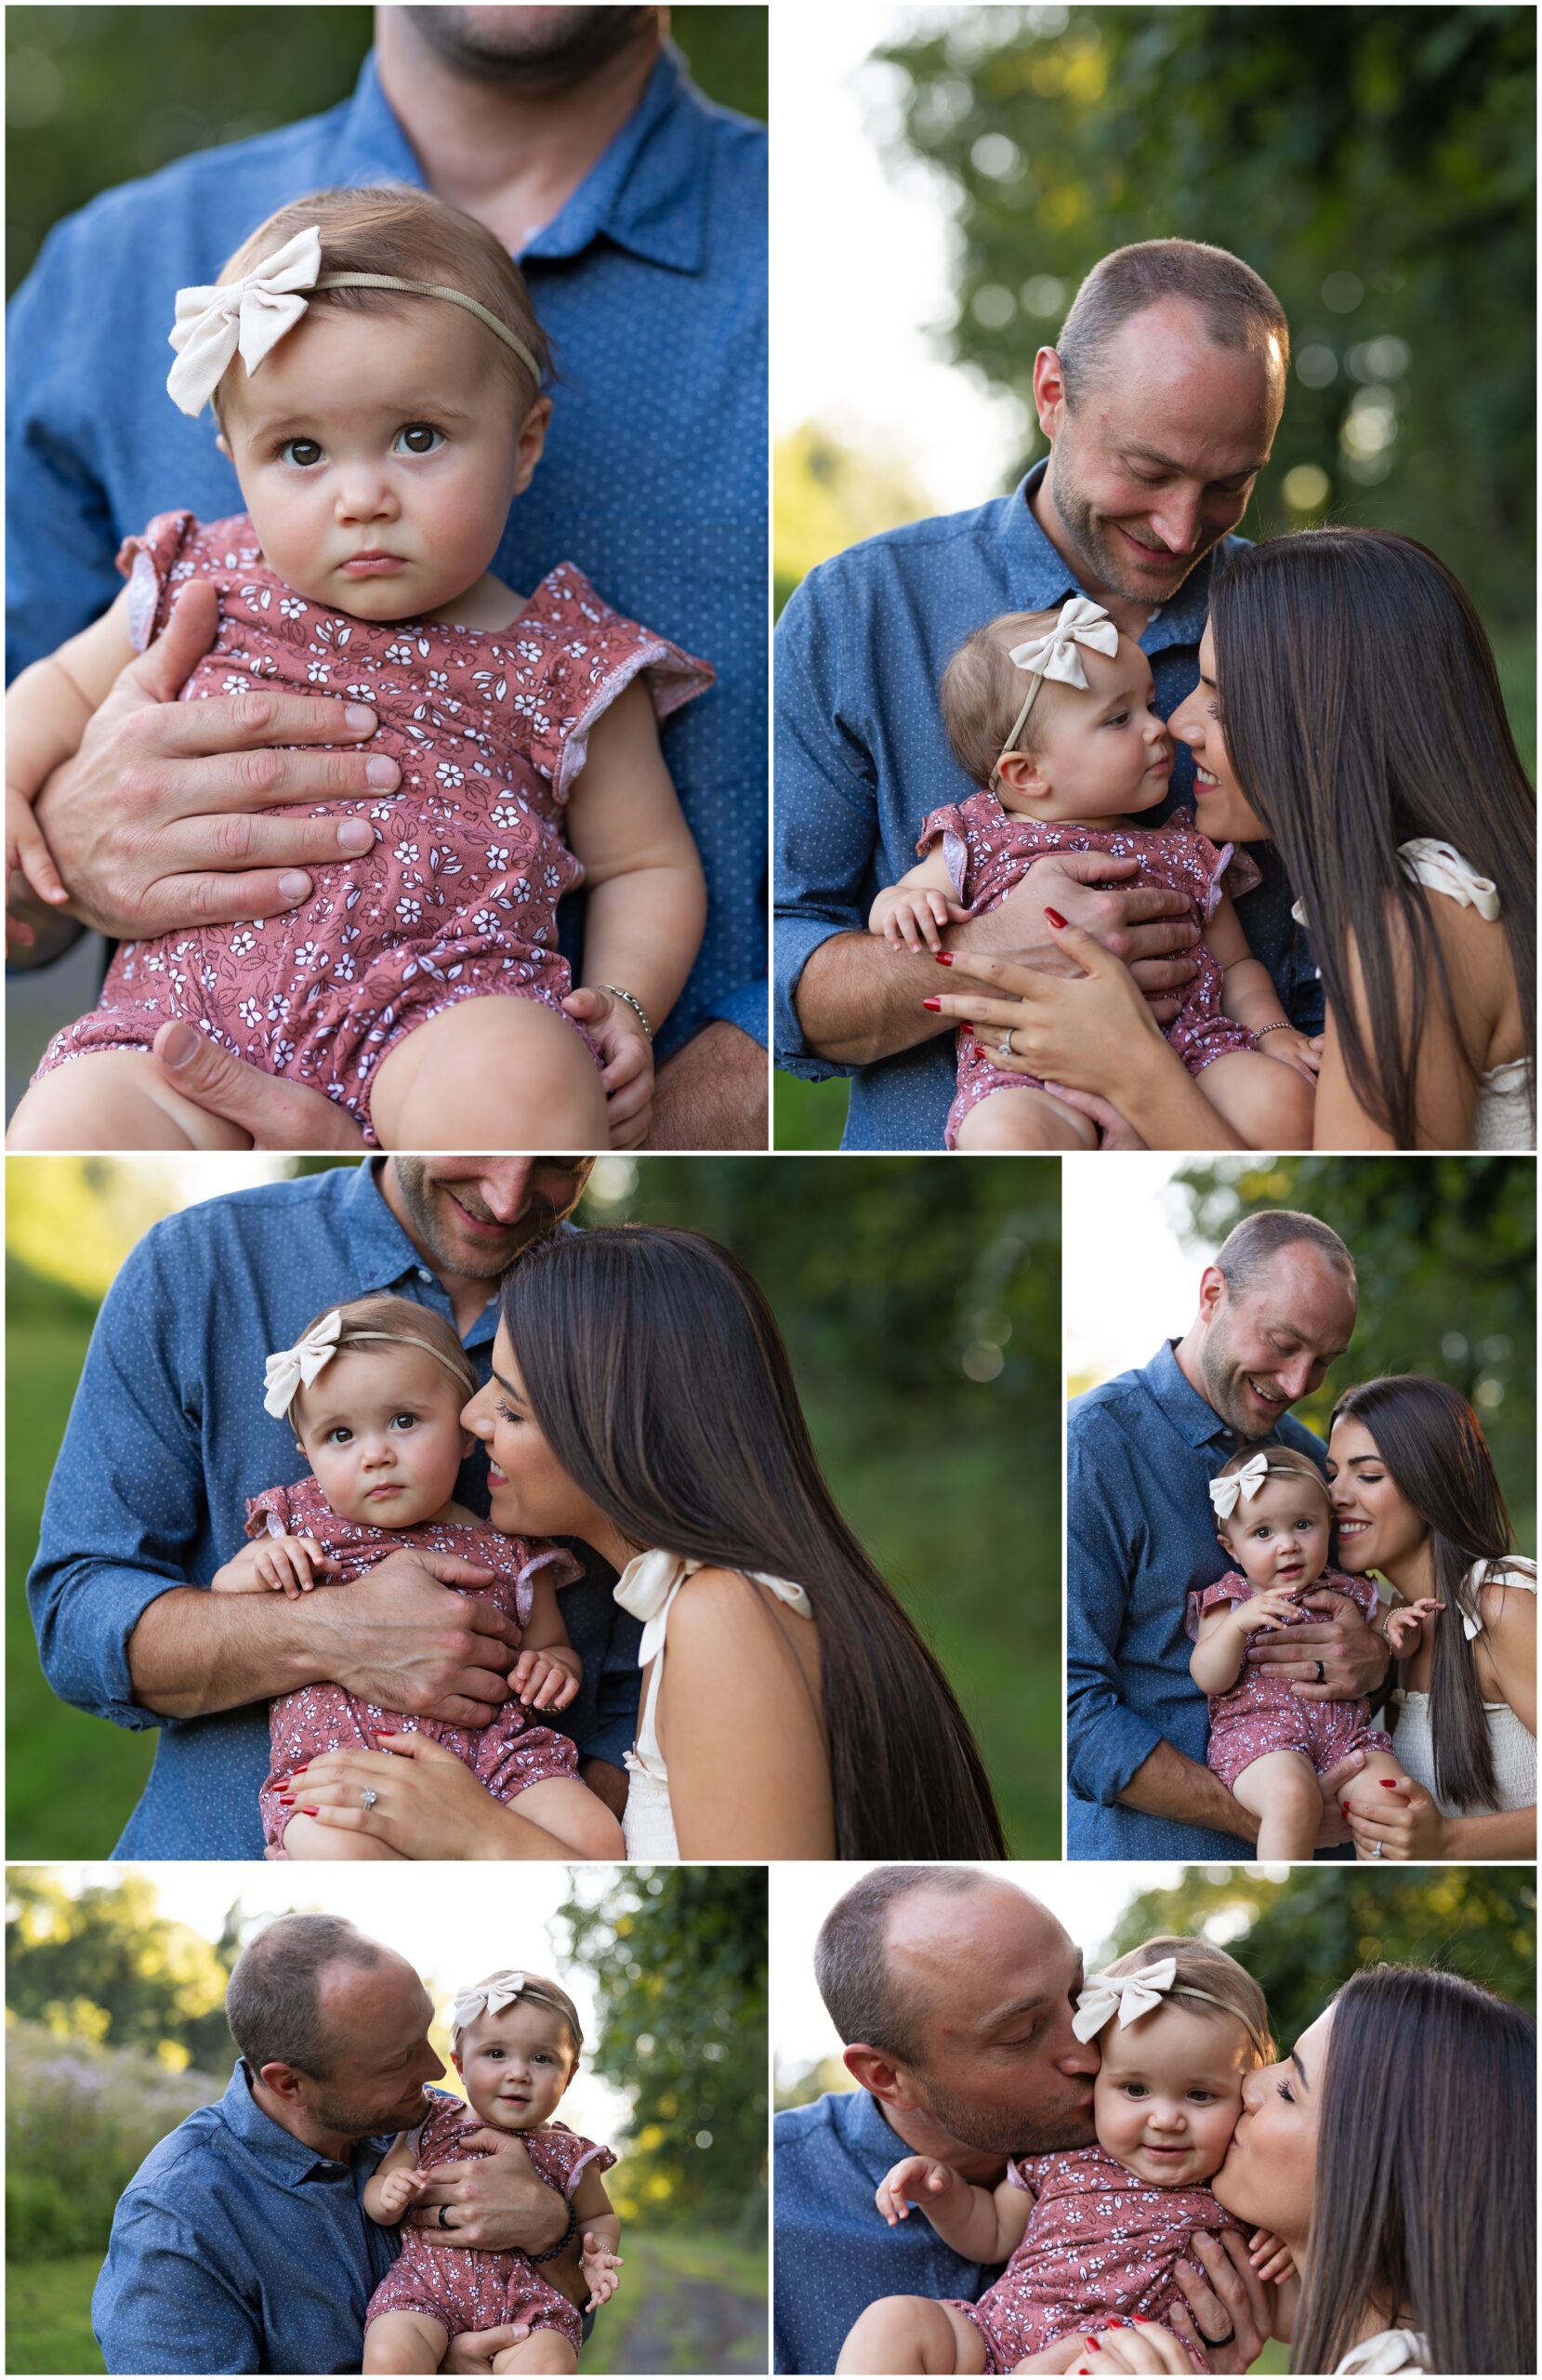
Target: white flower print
(399, 651)
(342, 968)
(155, 960)
(235, 684)
(497, 856)
(292, 608)
(439, 681)
(528, 650)
(319, 674)
(251, 1014)
(448, 774)
(310, 954)
(409, 912)
(281, 1054)
(407, 855)
(486, 921)
(278, 1008)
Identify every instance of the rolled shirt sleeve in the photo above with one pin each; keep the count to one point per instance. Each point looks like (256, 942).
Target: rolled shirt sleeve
(1106, 1742)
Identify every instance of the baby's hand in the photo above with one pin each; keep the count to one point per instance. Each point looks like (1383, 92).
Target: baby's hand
(906, 2184)
(544, 1680)
(602, 2269)
(1267, 1608)
(285, 1566)
(1270, 2258)
(1293, 1049)
(29, 867)
(908, 917)
(627, 1061)
(397, 2191)
(1405, 1624)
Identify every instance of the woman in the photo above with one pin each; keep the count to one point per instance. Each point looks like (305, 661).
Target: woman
(1348, 709)
(1416, 1499)
(1394, 2152)
(642, 1400)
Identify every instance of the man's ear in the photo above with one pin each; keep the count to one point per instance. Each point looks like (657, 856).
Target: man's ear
(1024, 774)
(286, 2082)
(1049, 397)
(876, 2071)
(1212, 1293)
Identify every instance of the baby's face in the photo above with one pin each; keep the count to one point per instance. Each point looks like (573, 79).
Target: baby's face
(1169, 2092)
(517, 2065)
(1279, 1538)
(378, 455)
(1104, 753)
(380, 1428)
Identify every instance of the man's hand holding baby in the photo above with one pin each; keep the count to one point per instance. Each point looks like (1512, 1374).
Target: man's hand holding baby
(496, 2200)
(1335, 1658)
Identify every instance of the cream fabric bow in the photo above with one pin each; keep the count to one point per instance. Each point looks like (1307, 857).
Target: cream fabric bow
(1127, 1996)
(252, 314)
(1245, 1483)
(295, 1367)
(501, 1994)
(1055, 656)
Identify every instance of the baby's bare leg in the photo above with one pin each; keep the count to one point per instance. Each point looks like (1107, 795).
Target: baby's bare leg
(1366, 1791)
(1267, 1102)
(912, 2334)
(1024, 1120)
(307, 1839)
(404, 2342)
(542, 2351)
(1282, 1790)
(509, 1073)
(115, 1099)
(579, 1819)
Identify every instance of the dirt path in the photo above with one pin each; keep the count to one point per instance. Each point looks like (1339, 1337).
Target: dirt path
(686, 2325)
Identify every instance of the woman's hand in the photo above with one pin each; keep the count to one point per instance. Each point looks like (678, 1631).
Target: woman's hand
(1404, 1821)
(429, 1806)
(1089, 1031)
(1140, 2346)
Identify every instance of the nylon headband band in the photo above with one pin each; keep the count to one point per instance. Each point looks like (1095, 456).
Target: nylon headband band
(435, 289)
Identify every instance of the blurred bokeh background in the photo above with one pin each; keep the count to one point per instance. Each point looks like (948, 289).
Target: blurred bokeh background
(920, 1301)
(1376, 165)
(1444, 1247)
(115, 2031)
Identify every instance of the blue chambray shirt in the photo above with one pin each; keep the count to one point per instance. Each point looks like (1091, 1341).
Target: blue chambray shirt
(166, 1439)
(834, 2253)
(238, 2248)
(651, 280)
(862, 757)
(1140, 1451)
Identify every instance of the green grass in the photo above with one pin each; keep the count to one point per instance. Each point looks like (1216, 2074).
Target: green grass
(809, 1114)
(649, 2326)
(48, 2315)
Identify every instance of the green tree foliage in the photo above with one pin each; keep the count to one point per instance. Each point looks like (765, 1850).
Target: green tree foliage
(103, 1966)
(1376, 165)
(80, 2120)
(1445, 1250)
(678, 1959)
(1303, 1937)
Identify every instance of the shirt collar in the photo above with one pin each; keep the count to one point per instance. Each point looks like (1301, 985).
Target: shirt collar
(1047, 578)
(288, 2159)
(648, 191)
(1195, 1420)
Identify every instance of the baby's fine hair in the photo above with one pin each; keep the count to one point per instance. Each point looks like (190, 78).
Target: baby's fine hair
(982, 691)
(402, 1322)
(395, 229)
(1285, 1462)
(1204, 1969)
(538, 1988)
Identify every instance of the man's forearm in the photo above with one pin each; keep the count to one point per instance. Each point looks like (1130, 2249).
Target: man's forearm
(194, 1652)
(711, 1094)
(858, 1000)
(1168, 1785)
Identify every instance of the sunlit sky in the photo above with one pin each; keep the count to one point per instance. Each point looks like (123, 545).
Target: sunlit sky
(455, 1924)
(861, 266)
(1128, 1281)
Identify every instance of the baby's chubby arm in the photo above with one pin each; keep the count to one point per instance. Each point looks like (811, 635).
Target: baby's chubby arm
(1217, 1659)
(601, 2226)
(287, 1566)
(394, 2184)
(548, 1672)
(48, 708)
(985, 2226)
(1249, 998)
(909, 914)
(1403, 1624)
(647, 903)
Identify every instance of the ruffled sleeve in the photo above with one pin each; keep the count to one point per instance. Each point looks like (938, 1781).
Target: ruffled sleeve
(147, 561)
(950, 827)
(565, 2156)
(1233, 1588)
(270, 1514)
(552, 1562)
(1230, 870)
(568, 657)
(1442, 868)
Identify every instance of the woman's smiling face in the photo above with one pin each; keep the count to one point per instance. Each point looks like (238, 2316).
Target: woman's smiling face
(531, 1494)
(1270, 2169)
(1221, 809)
(1379, 1528)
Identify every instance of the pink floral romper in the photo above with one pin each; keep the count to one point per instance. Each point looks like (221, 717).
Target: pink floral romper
(457, 899)
(476, 2289)
(510, 1753)
(1100, 2242)
(1261, 1715)
(990, 850)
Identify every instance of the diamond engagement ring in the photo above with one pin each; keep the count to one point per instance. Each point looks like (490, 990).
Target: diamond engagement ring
(369, 1797)
(1376, 1851)
(1003, 1047)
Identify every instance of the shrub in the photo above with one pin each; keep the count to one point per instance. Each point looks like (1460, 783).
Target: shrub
(79, 2121)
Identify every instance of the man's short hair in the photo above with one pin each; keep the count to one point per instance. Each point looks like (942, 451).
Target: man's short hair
(1240, 309)
(851, 1957)
(272, 2000)
(1252, 1246)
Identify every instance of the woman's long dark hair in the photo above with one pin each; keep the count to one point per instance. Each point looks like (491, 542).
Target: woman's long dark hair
(1424, 2207)
(659, 1378)
(1362, 708)
(1434, 1447)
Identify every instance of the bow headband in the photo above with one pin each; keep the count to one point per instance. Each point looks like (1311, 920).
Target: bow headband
(252, 314)
(501, 1991)
(1055, 656)
(1244, 1481)
(298, 1367)
(1136, 1994)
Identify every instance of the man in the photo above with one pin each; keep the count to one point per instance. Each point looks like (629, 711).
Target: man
(241, 2244)
(952, 1992)
(637, 212)
(1160, 406)
(167, 1438)
(1276, 1308)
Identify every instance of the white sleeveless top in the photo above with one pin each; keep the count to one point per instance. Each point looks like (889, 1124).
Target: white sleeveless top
(1389, 2352)
(647, 1589)
(1504, 1116)
(1513, 1745)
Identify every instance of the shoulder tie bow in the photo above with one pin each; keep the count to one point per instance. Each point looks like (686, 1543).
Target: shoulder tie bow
(1245, 1483)
(295, 1367)
(496, 1996)
(1055, 656)
(1127, 1996)
(251, 315)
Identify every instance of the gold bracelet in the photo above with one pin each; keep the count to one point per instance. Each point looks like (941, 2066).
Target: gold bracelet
(633, 1004)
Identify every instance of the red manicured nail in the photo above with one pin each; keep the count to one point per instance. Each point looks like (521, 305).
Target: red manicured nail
(1054, 918)
(934, 1005)
(943, 957)
(1390, 1783)
(288, 1800)
(310, 1814)
(1091, 2343)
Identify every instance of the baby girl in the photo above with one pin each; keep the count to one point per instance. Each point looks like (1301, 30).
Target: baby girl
(1269, 1747)
(375, 372)
(374, 1391)
(516, 2042)
(1093, 2235)
(1063, 765)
